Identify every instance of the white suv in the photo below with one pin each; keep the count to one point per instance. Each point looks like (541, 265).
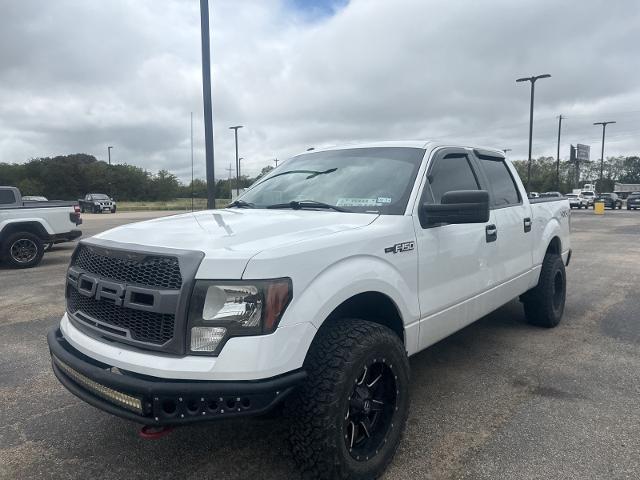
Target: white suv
(576, 200)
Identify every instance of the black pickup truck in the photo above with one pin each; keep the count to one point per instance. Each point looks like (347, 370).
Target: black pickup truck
(97, 203)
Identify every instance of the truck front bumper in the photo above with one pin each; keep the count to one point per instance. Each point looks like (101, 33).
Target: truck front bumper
(152, 401)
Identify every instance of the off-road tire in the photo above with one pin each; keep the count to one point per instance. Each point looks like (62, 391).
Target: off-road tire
(544, 304)
(30, 238)
(316, 410)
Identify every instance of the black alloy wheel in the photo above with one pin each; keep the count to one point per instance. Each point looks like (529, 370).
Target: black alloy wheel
(372, 404)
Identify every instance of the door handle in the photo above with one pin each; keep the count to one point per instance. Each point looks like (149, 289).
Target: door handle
(491, 232)
(527, 225)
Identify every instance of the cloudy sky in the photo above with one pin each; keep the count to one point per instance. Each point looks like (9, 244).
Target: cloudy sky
(78, 75)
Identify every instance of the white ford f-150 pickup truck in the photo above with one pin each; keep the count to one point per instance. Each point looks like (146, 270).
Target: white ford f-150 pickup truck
(26, 227)
(312, 289)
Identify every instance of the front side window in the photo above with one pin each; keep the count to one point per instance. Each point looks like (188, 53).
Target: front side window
(371, 180)
(504, 188)
(451, 172)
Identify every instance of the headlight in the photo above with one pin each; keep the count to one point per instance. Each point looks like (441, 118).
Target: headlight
(220, 310)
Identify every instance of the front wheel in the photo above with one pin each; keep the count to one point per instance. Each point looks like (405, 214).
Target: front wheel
(113, 210)
(348, 416)
(544, 304)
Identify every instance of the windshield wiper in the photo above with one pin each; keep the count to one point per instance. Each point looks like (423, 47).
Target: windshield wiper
(300, 204)
(312, 174)
(241, 204)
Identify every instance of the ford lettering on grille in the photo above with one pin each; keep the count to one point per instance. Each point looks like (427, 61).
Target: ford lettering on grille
(103, 295)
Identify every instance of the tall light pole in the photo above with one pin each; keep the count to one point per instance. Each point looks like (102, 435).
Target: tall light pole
(240, 167)
(235, 132)
(109, 153)
(208, 108)
(533, 88)
(604, 128)
(558, 154)
(192, 161)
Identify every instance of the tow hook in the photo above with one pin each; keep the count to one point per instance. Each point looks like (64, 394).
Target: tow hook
(149, 432)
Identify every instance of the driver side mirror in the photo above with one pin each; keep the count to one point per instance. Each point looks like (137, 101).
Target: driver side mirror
(456, 207)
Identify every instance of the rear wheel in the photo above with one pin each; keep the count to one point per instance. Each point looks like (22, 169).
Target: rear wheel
(22, 250)
(544, 304)
(348, 416)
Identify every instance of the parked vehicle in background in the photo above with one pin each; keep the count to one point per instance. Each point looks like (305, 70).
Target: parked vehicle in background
(633, 201)
(576, 200)
(551, 195)
(589, 196)
(533, 195)
(622, 195)
(28, 227)
(97, 203)
(34, 198)
(610, 200)
(625, 189)
(312, 288)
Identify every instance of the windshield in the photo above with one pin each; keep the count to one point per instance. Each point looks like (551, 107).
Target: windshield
(373, 180)
(572, 195)
(605, 195)
(100, 196)
(588, 194)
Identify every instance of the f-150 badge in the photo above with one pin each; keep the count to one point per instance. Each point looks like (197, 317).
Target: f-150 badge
(400, 247)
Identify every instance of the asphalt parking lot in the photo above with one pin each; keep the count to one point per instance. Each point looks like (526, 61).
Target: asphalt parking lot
(499, 399)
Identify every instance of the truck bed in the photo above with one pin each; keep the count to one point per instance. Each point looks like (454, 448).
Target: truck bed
(34, 204)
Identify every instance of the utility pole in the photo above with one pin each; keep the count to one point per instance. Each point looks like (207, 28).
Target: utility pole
(208, 108)
(235, 132)
(192, 161)
(240, 167)
(505, 150)
(276, 161)
(229, 170)
(109, 153)
(604, 128)
(531, 79)
(558, 155)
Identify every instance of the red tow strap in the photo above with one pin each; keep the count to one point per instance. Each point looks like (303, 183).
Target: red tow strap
(149, 432)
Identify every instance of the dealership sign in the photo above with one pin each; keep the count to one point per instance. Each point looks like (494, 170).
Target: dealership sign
(582, 152)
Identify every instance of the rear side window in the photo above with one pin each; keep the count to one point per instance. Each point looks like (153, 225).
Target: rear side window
(451, 172)
(7, 197)
(504, 188)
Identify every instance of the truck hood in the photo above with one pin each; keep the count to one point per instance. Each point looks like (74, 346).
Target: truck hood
(230, 237)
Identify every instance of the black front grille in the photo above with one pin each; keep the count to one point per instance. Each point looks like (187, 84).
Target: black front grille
(151, 270)
(148, 327)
